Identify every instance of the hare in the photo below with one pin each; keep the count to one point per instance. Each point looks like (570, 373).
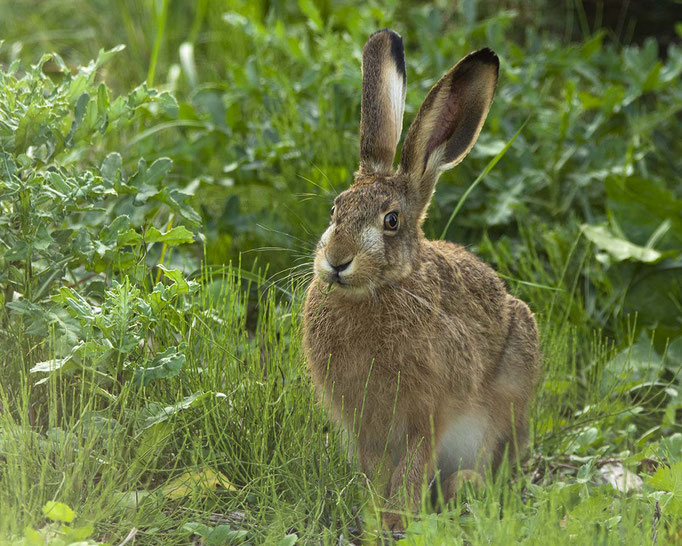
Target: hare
(415, 346)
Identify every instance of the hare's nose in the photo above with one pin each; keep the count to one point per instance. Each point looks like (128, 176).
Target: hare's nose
(341, 267)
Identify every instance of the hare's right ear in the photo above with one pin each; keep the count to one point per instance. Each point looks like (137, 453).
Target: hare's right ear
(383, 101)
(448, 122)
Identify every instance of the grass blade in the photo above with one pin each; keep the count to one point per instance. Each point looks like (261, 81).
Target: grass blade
(484, 173)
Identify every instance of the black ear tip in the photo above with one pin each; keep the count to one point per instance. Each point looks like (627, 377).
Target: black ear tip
(396, 47)
(394, 38)
(486, 56)
(393, 35)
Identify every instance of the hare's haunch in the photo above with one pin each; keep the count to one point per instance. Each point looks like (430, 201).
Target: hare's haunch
(417, 346)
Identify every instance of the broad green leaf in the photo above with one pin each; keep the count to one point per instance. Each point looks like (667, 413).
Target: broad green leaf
(111, 167)
(76, 535)
(224, 534)
(50, 365)
(79, 114)
(176, 236)
(199, 482)
(33, 537)
(669, 478)
(169, 104)
(655, 296)
(113, 230)
(129, 238)
(197, 528)
(57, 511)
(182, 286)
(635, 365)
(131, 500)
(166, 364)
(156, 413)
(177, 201)
(641, 205)
(617, 247)
(288, 540)
(157, 171)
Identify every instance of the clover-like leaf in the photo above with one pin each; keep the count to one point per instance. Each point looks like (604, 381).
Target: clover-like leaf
(58, 511)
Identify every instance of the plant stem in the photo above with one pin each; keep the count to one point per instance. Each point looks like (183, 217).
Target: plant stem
(160, 26)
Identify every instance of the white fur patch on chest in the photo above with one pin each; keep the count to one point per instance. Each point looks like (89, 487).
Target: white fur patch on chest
(463, 442)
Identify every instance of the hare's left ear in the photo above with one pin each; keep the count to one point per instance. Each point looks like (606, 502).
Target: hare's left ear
(449, 121)
(383, 101)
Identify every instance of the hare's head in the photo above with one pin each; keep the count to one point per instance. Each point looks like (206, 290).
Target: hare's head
(375, 233)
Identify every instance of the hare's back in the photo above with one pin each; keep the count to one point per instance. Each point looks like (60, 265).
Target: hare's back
(465, 276)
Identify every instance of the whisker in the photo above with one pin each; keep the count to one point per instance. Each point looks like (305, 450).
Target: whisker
(273, 230)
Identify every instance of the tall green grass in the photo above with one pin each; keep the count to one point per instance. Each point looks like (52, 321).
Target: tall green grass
(242, 409)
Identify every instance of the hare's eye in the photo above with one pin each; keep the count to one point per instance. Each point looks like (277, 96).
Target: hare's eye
(391, 221)
(331, 213)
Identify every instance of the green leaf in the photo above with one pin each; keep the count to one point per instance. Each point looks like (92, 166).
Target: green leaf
(166, 364)
(50, 365)
(112, 231)
(640, 206)
(288, 540)
(169, 104)
(655, 295)
(224, 534)
(182, 286)
(129, 238)
(156, 413)
(179, 235)
(635, 365)
(197, 528)
(176, 200)
(104, 55)
(111, 167)
(669, 478)
(102, 99)
(309, 8)
(57, 511)
(202, 481)
(77, 534)
(157, 171)
(617, 247)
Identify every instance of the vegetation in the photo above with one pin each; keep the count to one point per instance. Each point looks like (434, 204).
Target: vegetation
(158, 208)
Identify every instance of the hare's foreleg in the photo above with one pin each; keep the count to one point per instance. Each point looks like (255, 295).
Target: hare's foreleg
(415, 467)
(377, 467)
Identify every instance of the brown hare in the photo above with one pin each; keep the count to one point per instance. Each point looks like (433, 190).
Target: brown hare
(414, 345)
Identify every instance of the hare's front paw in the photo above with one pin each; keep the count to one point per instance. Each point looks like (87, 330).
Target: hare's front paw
(457, 480)
(393, 522)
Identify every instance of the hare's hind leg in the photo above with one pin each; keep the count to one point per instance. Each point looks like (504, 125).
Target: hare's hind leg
(517, 377)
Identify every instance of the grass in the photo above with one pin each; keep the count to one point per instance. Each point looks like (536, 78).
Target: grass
(239, 435)
(184, 413)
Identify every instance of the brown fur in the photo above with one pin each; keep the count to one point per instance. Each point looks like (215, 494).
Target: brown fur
(383, 67)
(418, 345)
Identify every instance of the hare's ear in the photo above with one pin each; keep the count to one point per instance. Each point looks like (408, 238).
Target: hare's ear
(383, 101)
(449, 121)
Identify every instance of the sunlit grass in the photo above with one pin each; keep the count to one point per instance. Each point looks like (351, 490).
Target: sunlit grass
(282, 463)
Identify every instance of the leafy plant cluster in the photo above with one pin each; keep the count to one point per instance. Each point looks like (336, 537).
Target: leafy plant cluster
(266, 134)
(78, 235)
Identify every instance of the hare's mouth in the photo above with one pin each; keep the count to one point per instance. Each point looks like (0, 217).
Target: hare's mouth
(336, 278)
